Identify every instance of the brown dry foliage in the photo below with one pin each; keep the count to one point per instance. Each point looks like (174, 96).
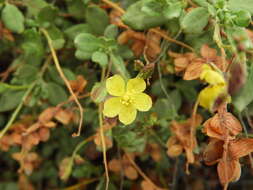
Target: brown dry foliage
(191, 65)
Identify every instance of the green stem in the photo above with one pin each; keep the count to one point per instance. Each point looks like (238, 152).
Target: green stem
(14, 87)
(28, 91)
(17, 110)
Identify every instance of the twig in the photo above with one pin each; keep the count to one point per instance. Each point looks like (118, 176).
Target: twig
(100, 115)
(58, 67)
(81, 184)
(103, 145)
(143, 174)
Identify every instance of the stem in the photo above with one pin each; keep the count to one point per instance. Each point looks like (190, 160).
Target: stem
(62, 75)
(27, 93)
(100, 115)
(103, 146)
(17, 110)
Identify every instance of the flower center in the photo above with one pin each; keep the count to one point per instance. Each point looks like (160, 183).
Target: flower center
(126, 100)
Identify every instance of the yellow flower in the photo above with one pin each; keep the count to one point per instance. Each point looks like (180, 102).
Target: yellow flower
(217, 86)
(210, 76)
(129, 98)
(208, 95)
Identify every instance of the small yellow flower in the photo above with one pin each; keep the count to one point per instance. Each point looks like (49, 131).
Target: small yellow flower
(217, 86)
(129, 98)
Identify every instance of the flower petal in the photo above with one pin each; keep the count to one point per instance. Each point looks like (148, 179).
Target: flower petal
(141, 101)
(208, 95)
(115, 85)
(112, 107)
(210, 76)
(136, 85)
(127, 114)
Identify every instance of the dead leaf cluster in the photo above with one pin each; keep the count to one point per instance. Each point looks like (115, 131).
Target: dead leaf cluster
(224, 147)
(190, 65)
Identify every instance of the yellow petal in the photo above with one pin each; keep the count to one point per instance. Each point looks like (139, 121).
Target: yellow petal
(210, 76)
(141, 101)
(112, 107)
(136, 85)
(209, 94)
(115, 85)
(127, 114)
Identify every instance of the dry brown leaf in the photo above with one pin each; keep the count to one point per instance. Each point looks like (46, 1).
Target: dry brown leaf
(64, 116)
(217, 125)
(155, 151)
(213, 152)
(145, 185)
(153, 47)
(193, 70)
(114, 165)
(184, 138)
(131, 173)
(240, 147)
(44, 134)
(208, 53)
(181, 64)
(98, 141)
(229, 171)
(48, 114)
(174, 150)
(79, 84)
(24, 183)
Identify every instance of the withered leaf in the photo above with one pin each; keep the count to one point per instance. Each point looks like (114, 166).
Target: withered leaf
(193, 70)
(240, 147)
(213, 151)
(131, 173)
(217, 125)
(229, 171)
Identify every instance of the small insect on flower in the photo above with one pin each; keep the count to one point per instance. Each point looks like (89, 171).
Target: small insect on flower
(128, 98)
(217, 86)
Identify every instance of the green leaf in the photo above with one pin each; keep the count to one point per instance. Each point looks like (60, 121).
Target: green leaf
(243, 18)
(111, 31)
(25, 74)
(85, 171)
(77, 29)
(86, 45)
(76, 8)
(100, 57)
(244, 97)
(195, 20)
(56, 94)
(10, 99)
(13, 18)
(47, 16)
(236, 5)
(139, 20)
(97, 19)
(57, 37)
(129, 140)
(32, 46)
(118, 66)
(55, 77)
(34, 6)
(173, 11)
(98, 92)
